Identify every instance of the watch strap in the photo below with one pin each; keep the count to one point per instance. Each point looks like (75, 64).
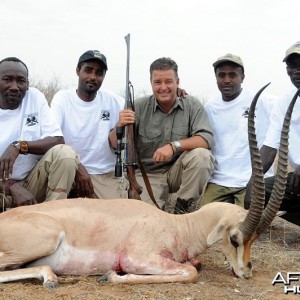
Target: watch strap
(173, 147)
(23, 147)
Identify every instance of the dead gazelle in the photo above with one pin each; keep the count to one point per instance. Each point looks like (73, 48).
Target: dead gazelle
(113, 237)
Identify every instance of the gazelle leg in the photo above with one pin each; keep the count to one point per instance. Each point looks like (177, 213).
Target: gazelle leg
(44, 273)
(156, 270)
(17, 248)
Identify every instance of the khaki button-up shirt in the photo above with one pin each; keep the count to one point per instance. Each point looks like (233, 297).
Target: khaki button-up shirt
(157, 128)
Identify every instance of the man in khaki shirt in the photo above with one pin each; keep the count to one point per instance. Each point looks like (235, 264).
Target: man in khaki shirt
(174, 139)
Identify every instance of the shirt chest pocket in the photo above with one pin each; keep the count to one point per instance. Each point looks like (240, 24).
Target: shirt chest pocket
(147, 135)
(179, 133)
(31, 129)
(149, 141)
(31, 132)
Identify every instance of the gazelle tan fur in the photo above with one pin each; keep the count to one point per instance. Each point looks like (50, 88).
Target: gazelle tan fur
(130, 241)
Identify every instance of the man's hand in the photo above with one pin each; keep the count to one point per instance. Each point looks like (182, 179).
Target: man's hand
(7, 161)
(21, 196)
(126, 117)
(84, 185)
(295, 182)
(181, 93)
(164, 153)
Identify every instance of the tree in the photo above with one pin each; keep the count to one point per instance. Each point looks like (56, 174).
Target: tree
(48, 88)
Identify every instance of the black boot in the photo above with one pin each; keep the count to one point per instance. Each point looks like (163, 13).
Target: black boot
(181, 207)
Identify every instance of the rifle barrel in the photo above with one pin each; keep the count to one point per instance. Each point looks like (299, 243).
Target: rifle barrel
(127, 91)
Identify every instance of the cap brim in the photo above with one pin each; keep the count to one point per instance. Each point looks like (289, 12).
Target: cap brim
(287, 56)
(215, 64)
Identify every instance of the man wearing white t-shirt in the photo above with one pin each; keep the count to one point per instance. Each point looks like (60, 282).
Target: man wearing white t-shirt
(228, 114)
(88, 116)
(291, 201)
(35, 165)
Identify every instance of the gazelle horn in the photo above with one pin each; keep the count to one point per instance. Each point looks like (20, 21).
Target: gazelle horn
(281, 172)
(252, 219)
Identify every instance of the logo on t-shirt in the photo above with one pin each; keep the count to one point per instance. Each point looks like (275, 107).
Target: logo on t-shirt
(105, 115)
(31, 119)
(246, 112)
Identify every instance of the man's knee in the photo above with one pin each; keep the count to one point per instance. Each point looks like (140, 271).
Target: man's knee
(61, 157)
(63, 151)
(200, 157)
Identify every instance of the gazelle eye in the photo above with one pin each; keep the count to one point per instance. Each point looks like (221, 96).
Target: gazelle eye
(233, 242)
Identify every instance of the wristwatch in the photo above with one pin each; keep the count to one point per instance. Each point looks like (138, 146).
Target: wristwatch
(22, 146)
(17, 145)
(176, 145)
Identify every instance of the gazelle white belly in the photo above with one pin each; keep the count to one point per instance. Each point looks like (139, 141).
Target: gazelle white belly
(75, 261)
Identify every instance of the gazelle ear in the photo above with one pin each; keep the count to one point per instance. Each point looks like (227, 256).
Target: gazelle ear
(280, 213)
(216, 234)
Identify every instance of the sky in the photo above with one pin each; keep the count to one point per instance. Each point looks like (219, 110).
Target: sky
(50, 35)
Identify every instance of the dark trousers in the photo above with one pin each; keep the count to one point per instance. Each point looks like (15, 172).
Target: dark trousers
(290, 203)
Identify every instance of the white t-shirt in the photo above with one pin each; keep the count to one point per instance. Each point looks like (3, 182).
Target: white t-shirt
(229, 120)
(31, 121)
(86, 126)
(276, 121)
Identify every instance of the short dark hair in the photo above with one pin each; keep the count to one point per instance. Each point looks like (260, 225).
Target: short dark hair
(15, 59)
(164, 63)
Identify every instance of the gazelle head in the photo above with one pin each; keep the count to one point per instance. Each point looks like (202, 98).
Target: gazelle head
(245, 227)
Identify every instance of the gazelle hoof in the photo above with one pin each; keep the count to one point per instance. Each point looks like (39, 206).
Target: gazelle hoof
(50, 284)
(104, 277)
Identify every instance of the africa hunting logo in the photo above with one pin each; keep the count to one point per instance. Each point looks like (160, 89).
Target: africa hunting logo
(286, 282)
(105, 115)
(31, 119)
(246, 112)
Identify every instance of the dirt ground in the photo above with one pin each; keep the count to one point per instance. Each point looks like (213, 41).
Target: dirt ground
(276, 251)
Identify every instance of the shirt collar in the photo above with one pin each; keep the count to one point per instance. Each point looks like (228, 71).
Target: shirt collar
(178, 102)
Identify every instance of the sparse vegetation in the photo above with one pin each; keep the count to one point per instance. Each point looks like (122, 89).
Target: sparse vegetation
(48, 88)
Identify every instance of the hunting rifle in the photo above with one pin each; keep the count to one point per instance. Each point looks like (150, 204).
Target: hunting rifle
(130, 151)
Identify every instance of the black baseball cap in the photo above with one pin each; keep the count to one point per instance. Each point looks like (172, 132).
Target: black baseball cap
(93, 55)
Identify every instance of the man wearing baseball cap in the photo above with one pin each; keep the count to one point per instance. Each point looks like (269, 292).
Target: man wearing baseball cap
(291, 201)
(228, 115)
(87, 116)
(229, 58)
(93, 55)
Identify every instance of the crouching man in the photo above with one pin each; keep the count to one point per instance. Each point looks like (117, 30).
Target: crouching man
(174, 140)
(35, 165)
